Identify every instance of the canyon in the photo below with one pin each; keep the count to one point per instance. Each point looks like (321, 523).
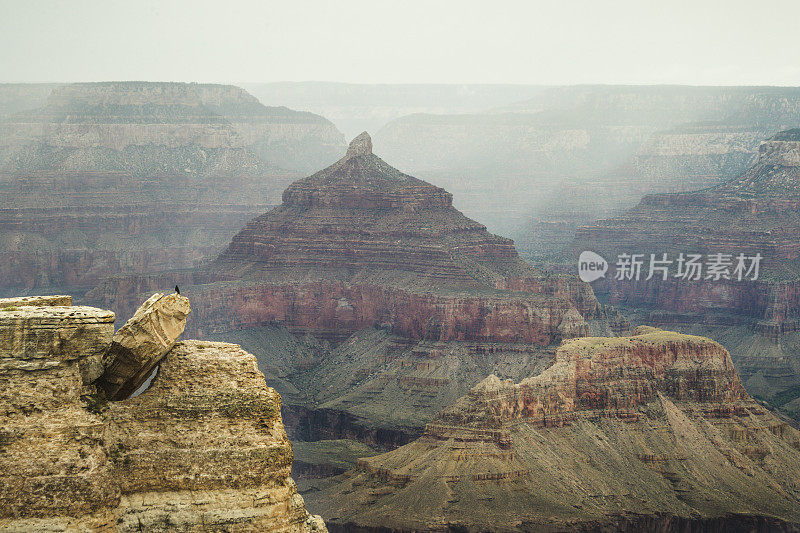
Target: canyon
(202, 449)
(371, 303)
(537, 169)
(652, 431)
(135, 177)
(755, 213)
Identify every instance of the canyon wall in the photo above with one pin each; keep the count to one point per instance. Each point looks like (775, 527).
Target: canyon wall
(752, 214)
(586, 151)
(130, 177)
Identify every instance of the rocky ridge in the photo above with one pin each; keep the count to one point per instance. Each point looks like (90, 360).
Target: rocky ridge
(202, 449)
(652, 430)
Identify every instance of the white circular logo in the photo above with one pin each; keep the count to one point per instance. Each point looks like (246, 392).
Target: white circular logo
(591, 266)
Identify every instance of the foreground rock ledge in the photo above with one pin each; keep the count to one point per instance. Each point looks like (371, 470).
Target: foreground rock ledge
(203, 449)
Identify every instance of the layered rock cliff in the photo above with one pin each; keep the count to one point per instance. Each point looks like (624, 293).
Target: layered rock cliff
(361, 244)
(202, 449)
(753, 214)
(651, 431)
(372, 302)
(129, 177)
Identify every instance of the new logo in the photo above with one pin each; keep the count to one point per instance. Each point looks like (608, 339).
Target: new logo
(591, 266)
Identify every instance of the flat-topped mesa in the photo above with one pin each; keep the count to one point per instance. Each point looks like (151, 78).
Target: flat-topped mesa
(362, 180)
(657, 422)
(616, 375)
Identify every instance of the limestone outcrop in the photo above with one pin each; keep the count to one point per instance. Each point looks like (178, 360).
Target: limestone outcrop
(139, 345)
(202, 449)
(238, 457)
(53, 467)
(650, 431)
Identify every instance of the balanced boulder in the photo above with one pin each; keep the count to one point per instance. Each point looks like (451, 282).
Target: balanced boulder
(139, 345)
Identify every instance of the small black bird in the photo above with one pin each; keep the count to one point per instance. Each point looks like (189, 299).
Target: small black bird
(177, 290)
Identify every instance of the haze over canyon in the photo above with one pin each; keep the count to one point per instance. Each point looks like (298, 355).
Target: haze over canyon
(309, 306)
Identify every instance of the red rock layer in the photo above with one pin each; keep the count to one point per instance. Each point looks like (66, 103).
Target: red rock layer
(611, 374)
(361, 244)
(335, 311)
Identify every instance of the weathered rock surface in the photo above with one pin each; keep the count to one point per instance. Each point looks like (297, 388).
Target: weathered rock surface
(43, 301)
(38, 337)
(653, 429)
(208, 425)
(130, 177)
(139, 345)
(53, 467)
(203, 449)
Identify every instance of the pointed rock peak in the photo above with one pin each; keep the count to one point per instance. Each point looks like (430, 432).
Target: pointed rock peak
(361, 145)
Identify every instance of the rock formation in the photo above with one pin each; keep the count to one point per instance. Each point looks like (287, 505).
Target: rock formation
(372, 303)
(360, 244)
(202, 449)
(648, 432)
(130, 177)
(142, 342)
(755, 213)
(538, 169)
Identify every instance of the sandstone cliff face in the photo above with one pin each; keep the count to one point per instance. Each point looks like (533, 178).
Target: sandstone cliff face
(653, 429)
(755, 213)
(109, 178)
(54, 467)
(238, 457)
(203, 449)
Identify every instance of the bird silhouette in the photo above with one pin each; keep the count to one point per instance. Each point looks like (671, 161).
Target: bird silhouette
(177, 290)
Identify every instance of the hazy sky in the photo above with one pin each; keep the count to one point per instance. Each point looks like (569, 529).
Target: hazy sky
(461, 41)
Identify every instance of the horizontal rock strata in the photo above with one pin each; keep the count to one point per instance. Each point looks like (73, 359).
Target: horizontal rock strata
(652, 428)
(132, 177)
(203, 449)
